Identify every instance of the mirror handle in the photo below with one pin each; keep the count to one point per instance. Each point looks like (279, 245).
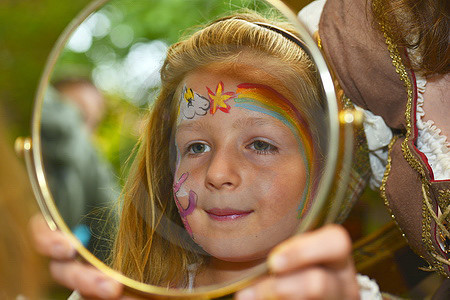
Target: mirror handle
(23, 148)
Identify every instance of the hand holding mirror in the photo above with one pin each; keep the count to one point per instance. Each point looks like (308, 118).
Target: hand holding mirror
(238, 152)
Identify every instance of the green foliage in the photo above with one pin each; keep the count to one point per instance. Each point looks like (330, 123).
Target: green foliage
(118, 134)
(148, 20)
(28, 30)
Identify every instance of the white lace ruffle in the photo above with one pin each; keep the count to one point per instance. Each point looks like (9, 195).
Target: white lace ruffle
(378, 136)
(75, 296)
(368, 288)
(430, 140)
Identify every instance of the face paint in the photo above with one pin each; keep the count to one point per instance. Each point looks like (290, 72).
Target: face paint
(218, 100)
(255, 97)
(185, 212)
(264, 99)
(192, 104)
(246, 168)
(192, 202)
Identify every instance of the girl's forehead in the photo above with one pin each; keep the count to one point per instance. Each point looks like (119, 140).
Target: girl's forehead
(234, 73)
(202, 80)
(235, 118)
(225, 100)
(220, 88)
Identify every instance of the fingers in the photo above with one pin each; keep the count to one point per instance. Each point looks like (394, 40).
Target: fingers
(329, 245)
(47, 242)
(87, 280)
(314, 265)
(313, 283)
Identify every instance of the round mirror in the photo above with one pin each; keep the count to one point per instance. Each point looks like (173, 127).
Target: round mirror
(178, 142)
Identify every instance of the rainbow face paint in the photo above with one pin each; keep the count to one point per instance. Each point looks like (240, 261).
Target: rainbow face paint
(264, 99)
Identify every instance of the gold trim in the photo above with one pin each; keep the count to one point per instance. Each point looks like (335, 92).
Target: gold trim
(444, 218)
(387, 172)
(407, 154)
(444, 198)
(318, 40)
(440, 223)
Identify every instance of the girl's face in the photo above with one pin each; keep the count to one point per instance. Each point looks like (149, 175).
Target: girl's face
(241, 174)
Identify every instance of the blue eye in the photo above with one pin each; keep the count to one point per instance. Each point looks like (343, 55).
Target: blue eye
(198, 148)
(262, 147)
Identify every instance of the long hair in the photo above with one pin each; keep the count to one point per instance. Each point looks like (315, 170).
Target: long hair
(419, 24)
(151, 244)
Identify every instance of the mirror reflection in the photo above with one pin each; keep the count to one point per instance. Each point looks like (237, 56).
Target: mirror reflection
(184, 165)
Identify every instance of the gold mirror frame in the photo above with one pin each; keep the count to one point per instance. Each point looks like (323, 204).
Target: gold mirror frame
(340, 148)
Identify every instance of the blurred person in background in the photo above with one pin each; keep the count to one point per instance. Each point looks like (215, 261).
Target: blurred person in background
(82, 182)
(85, 95)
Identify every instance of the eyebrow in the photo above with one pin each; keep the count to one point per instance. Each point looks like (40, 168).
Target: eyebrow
(253, 121)
(242, 122)
(193, 126)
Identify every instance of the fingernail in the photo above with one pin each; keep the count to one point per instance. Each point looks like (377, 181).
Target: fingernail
(247, 294)
(277, 262)
(107, 289)
(61, 251)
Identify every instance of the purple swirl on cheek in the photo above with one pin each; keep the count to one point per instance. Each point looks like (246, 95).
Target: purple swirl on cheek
(184, 212)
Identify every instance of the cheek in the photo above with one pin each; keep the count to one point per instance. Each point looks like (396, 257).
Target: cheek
(194, 175)
(186, 182)
(281, 190)
(185, 199)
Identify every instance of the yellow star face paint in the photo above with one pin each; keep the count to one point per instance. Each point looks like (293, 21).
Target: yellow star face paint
(219, 98)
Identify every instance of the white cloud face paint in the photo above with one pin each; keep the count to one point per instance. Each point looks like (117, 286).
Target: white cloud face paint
(192, 104)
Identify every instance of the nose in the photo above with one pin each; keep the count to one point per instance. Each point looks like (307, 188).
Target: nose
(224, 171)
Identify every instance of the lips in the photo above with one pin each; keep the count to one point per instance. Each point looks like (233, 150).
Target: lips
(227, 214)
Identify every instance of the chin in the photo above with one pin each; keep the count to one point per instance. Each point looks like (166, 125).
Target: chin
(232, 253)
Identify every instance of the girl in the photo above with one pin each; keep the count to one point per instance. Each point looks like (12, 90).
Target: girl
(227, 155)
(241, 155)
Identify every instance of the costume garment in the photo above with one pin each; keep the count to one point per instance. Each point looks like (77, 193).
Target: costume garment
(371, 70)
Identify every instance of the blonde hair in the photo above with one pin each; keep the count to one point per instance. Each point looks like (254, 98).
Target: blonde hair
(151, 232)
